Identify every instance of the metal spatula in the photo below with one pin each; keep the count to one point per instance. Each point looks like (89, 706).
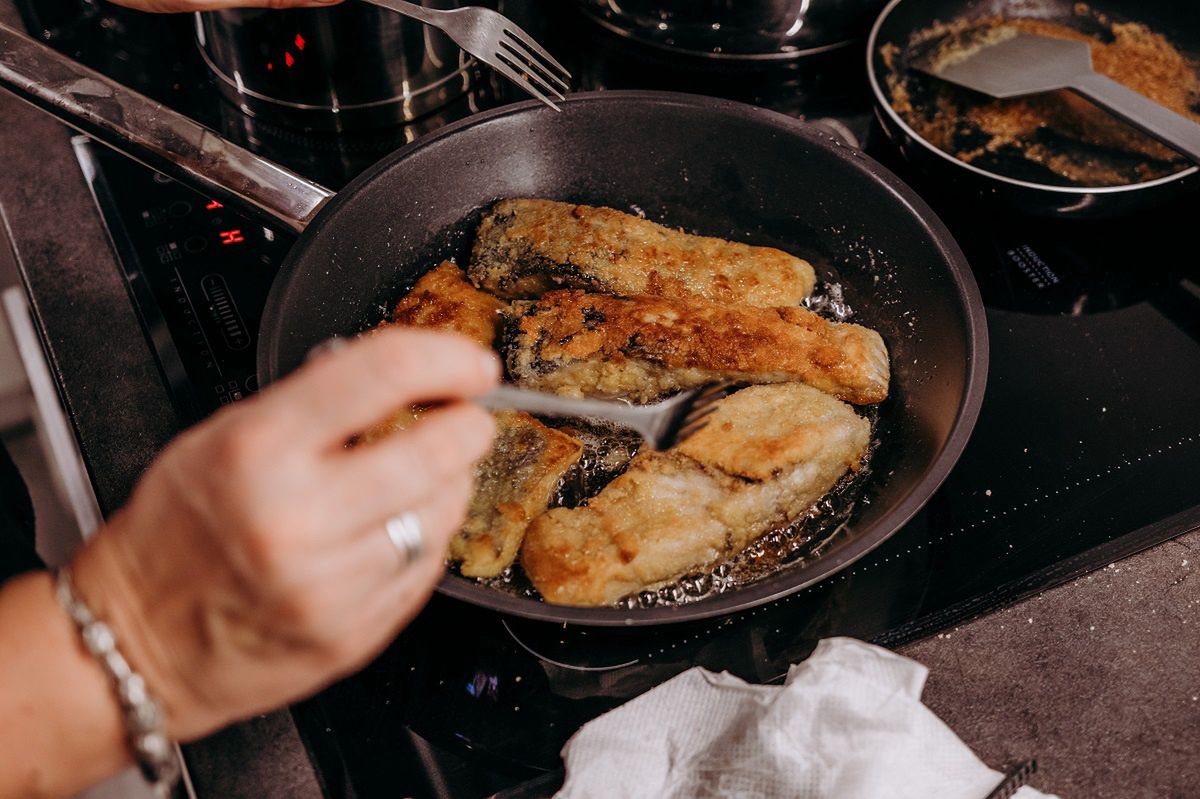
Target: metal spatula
(1025, 63)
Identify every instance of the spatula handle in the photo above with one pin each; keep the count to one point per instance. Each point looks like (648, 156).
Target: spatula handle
(1172, 129)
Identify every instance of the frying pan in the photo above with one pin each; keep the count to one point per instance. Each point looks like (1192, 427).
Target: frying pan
(896, 24)
(708, 165)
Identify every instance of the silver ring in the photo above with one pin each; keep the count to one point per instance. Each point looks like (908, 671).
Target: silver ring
(404, 531)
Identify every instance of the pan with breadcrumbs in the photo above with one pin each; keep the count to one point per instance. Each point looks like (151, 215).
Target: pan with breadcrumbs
(1050, 154)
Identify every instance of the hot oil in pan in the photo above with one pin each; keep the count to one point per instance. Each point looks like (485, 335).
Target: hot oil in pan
(806, 539)
(608, 450)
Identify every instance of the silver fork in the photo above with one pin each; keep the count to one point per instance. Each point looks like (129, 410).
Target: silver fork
(661, 424)
(498, 42)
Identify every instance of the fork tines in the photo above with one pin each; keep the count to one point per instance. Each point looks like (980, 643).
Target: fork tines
(702, 406)
(528, 64)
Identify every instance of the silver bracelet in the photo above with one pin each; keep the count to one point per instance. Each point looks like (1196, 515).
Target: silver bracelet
(153, 750)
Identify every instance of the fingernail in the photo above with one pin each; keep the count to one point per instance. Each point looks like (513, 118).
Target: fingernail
(327, 346)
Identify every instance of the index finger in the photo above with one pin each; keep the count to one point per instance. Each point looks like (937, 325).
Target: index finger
(345, 391)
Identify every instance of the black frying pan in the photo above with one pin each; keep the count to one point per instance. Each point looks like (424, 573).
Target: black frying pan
(708, 165)
(1178, 21)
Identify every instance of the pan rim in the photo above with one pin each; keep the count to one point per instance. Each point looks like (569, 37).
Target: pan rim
(705, 55)
(777, 586)
(883, 106)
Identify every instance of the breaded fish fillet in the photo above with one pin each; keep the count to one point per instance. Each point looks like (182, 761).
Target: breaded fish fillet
(513, 484)
(402, 418)
(526, 247)
(758, 431)
(443, 299)
(653, 522)
(642, 347)
(676, 512)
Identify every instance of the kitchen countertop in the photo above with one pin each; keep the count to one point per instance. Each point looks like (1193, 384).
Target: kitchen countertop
(1096, 678)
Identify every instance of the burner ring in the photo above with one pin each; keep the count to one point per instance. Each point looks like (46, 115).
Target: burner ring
(560, 663)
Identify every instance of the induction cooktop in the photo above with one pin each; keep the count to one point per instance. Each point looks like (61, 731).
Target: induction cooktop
(1080, 456)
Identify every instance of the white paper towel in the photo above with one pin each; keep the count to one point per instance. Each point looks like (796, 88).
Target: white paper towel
(848, 723)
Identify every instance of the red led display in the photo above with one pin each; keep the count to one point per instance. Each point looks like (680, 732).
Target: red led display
(289, 59)
(213, 205)
(231, 236)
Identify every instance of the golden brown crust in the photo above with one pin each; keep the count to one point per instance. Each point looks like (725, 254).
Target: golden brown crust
(641, 347)
(761, 430)
(652, 522)
(525, 247)
(443, 299)
(513, 485)
(673, 513)
(402, 418)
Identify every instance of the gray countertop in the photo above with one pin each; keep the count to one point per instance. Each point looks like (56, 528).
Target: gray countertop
(1097, 678)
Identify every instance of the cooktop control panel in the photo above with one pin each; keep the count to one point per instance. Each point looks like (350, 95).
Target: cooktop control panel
(198, 274)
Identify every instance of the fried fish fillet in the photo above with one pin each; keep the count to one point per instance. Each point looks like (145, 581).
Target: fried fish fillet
(766, 456)
(526, 247)
(758, 431)
(513, 485)
(402, 418)
(443, 299)
(517, 479)
(642, 347)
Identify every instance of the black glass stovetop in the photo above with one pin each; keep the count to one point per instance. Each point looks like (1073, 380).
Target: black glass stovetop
(1085, 451)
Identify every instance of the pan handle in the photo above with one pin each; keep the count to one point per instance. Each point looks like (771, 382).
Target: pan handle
(155, 135)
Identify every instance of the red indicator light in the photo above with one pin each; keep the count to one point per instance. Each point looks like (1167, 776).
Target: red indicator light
(231, 236)
(299, 42)
(270, 66)
(287, 59)
(213, 205)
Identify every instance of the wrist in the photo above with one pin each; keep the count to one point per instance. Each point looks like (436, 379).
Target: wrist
(103, 582)
(142, 714)
(62, 728)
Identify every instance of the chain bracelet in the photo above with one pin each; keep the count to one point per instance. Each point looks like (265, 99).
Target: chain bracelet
(153, 750)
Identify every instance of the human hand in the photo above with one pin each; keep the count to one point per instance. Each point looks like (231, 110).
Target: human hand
(162, 6)
(251, 566)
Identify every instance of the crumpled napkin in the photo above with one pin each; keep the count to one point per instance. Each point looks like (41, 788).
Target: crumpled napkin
(847, 723)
